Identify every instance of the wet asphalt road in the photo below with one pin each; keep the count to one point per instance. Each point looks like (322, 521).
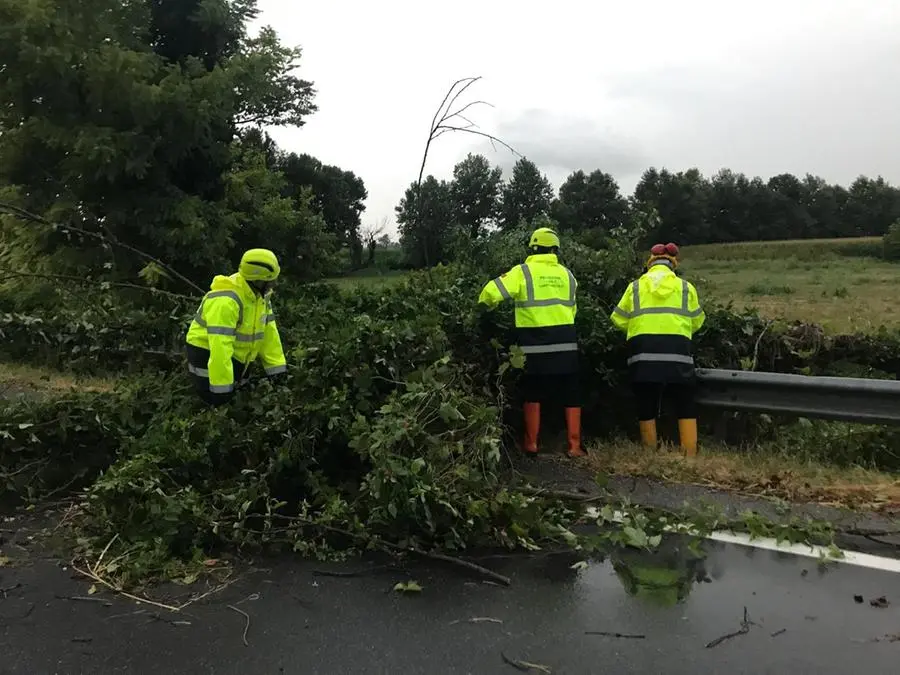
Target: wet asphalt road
(804, 619)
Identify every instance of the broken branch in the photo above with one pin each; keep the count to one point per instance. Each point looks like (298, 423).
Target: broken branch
(105, 238)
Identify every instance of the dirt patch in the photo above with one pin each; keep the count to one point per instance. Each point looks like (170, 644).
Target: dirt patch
(23, 381)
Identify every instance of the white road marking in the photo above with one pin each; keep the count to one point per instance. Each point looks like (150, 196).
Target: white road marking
(866, 560)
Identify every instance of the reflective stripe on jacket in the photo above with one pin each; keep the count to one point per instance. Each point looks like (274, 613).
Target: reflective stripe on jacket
(233, 322)
(544, 294)
(660, 314)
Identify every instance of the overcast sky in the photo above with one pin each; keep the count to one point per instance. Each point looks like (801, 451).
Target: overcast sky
(761, 87)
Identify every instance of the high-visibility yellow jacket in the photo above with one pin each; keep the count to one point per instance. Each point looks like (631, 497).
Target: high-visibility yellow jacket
(234, 322)
(660, 313)
(544, 293)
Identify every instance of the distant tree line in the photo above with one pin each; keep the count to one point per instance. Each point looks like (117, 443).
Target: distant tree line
(691, 208)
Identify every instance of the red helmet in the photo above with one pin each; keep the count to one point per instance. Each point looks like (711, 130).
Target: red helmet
(669, 249)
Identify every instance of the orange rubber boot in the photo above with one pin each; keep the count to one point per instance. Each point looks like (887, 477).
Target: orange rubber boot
(532, 427)
(573, 426)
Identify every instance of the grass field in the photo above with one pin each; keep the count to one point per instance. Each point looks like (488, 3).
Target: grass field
(369, 279)
(841, 284)
(837, 283)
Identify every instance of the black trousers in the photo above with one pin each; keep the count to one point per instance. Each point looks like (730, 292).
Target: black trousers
(552, 389)
(651, 396)
(199, 359)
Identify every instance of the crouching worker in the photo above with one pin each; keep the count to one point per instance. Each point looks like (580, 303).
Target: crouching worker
(234, 327)
(544, 295)
(660, 313)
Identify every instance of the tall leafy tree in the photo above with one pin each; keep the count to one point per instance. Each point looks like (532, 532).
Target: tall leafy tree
(526, 196)
(590, 202)
(425, 220)
(682, 202)
(267, 213)
(338, 195)
(475, 194)
(118, 119)
(872, 206)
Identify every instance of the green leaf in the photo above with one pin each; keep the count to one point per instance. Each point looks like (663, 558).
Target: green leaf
(450, 413)
(408, 587)
(635, 537)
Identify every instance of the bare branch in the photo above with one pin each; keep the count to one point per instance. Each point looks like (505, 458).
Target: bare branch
(108, 239)
(469, 82)
(459, 112)
(438, 115)
(490, 137)
(440, 125)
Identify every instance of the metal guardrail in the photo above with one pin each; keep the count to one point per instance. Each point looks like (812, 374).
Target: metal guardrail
(847, 399)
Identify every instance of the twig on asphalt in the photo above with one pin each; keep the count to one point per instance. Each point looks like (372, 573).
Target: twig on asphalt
(477, 619)
(92, 575)
(82, 639)
(483, 571)
(85, 598)
(563, 495)
(779, 632)
(350, 575)
(171, 622)
(25, 615)
(627, 636)
(4, 591)
(745, 628)
(202, 596)
(524, 666)
(246, 626)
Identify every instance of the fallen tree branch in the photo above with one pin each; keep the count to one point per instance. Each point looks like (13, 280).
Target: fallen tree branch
(9, 274)
(397, 548)
(108, 238)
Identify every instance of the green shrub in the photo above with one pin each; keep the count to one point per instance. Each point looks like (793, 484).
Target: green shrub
(891, 242)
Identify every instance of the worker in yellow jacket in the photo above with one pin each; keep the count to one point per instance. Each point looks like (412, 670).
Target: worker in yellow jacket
(660, 313)
(544, 295)
(234, 327)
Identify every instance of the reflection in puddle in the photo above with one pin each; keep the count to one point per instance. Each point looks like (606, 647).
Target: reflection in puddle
(664, 576)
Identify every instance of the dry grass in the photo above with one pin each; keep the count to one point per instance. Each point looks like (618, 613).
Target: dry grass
(17, 378)
(757, 471)
(826, 282)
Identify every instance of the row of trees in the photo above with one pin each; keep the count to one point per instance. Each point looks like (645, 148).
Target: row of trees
(692, 209)
(136, 125)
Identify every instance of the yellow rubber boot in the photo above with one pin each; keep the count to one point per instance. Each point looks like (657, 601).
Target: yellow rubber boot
(648, 433)
(687, 434)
